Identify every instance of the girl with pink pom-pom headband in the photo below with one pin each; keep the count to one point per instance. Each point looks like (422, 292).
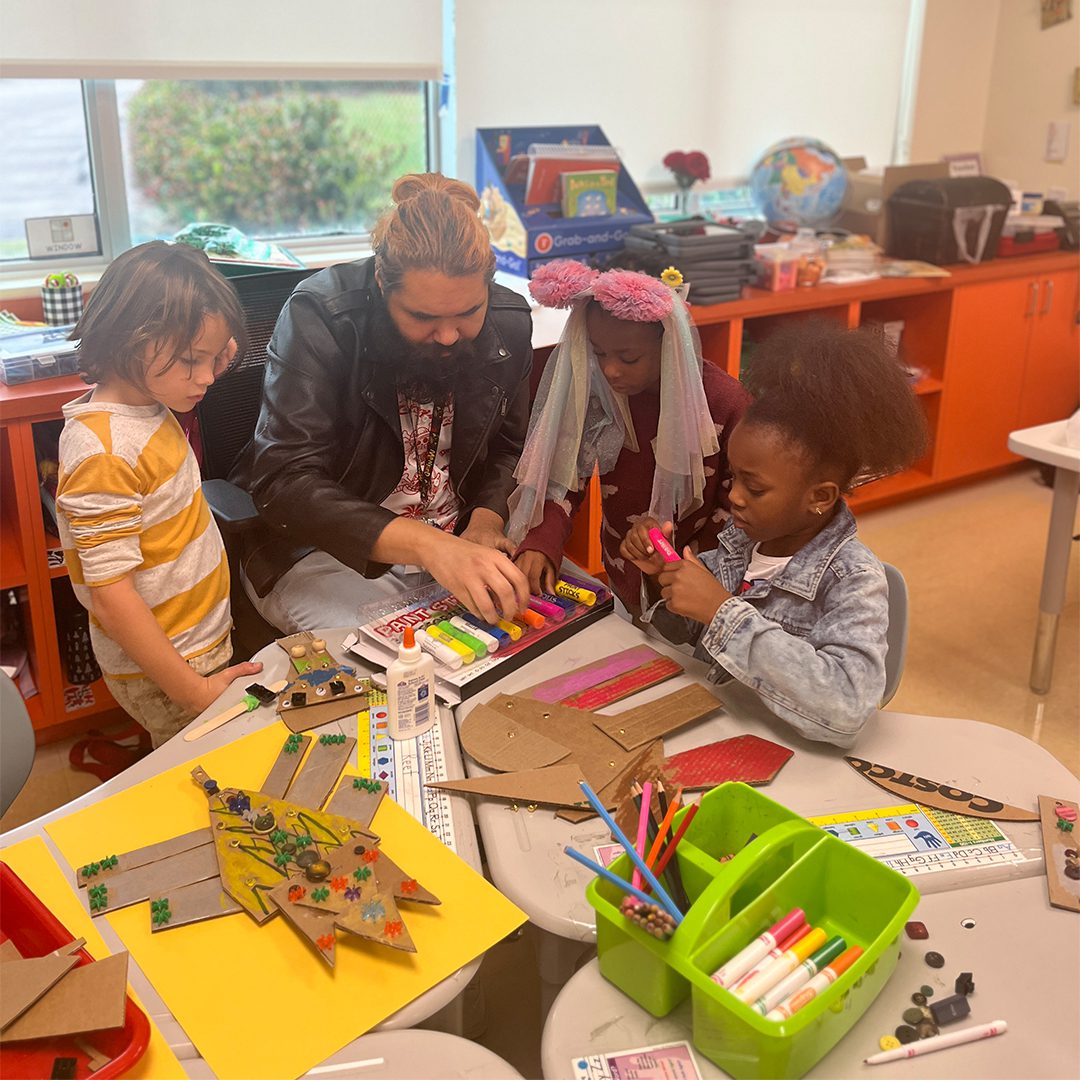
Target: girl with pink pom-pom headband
(579, 423)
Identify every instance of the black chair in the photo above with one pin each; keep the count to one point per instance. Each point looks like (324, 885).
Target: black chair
(227, 418)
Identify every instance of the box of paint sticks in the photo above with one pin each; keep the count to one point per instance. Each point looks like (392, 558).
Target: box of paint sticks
(788, 864)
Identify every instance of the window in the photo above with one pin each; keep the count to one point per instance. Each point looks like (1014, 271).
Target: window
(45, 170)
(291, 161)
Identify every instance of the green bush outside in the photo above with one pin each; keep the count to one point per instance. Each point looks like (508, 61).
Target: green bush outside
(295, 160)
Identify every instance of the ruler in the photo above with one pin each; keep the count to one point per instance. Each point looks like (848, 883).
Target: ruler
(918, 840)
(406, 766)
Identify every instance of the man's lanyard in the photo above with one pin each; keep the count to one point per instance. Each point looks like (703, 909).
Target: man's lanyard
(425, 470)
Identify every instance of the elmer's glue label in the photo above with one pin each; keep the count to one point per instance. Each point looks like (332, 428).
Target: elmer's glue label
(410, 690)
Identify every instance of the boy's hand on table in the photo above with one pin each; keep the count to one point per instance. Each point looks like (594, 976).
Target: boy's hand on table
(540, 571)
(638, 548)
(690, 589)
(210, 687)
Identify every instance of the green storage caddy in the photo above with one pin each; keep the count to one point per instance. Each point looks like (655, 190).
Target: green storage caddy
(789, 863)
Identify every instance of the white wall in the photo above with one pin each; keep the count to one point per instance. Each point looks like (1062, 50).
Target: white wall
(955, 66)
(1031, 84)
(729, 77)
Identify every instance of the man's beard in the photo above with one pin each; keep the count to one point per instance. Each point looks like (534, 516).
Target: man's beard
(422, 372)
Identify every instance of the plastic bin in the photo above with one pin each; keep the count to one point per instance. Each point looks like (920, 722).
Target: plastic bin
(34, 929)
(789, 864)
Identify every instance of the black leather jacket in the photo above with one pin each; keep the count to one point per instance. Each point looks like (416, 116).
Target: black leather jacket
(327, 448)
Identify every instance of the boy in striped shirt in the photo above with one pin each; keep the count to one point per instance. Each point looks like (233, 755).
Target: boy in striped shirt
(143, 550)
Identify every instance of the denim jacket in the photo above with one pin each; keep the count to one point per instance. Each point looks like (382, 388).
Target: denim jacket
(810, 643)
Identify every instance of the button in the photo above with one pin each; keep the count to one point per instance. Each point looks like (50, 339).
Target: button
(919, 999)
(935, 959)
(916, 931)
(926, 1029)
(319, 870)
(906, 1034)
(306, 858)
(889, 1042)
(926, 991)
(913, 1015)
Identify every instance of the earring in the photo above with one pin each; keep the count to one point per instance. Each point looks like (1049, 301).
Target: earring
(817, 510)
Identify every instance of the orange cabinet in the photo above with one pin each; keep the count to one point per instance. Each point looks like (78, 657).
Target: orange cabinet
(1051, 388)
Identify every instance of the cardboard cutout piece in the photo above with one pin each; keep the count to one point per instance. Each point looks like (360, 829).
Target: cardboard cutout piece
(1061, 847)
(556, 785)
(930, 793)
(745, 758)
(592, 686)
(658, 718)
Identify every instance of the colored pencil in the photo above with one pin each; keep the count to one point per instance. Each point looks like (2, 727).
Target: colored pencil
(604, 872)
(662, 832)
(665, 858)
(644, 812)
(646, 873)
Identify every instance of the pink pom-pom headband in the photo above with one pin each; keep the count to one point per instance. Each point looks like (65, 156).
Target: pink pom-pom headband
(626, 294)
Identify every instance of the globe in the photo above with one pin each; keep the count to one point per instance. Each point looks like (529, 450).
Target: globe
(798, 182)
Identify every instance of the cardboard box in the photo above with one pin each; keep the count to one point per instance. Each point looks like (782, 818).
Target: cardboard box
(524, 236)
(863, 208)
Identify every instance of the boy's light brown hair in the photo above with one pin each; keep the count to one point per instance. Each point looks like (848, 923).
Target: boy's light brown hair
(154, 295)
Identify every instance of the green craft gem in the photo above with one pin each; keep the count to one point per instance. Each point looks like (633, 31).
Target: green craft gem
(303, 841)
(362, 873)
(319, 895)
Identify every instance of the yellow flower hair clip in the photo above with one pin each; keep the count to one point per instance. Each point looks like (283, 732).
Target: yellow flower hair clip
(672, 277)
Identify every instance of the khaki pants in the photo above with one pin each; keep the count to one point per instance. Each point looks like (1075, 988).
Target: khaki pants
(152, 708)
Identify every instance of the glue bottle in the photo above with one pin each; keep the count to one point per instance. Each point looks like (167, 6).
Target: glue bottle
(410, 690)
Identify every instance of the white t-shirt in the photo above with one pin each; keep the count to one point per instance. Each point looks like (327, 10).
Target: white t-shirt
(442, 504)
(763, 567)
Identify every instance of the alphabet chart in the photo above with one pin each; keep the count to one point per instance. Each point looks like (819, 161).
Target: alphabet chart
(916, 840)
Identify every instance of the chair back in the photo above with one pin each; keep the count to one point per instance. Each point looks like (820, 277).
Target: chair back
(16, 742)
(896, 635)
(229, 412)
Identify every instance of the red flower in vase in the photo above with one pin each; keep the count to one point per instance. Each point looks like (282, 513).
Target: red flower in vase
(687, 168)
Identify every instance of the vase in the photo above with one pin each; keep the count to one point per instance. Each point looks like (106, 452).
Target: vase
(685, 203)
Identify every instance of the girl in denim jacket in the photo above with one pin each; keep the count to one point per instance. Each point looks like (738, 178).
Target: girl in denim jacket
(791, 608)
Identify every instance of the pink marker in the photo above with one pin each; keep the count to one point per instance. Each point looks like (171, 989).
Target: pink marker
(660, 542)
(773, 954)
(743, 961)
(548, 610)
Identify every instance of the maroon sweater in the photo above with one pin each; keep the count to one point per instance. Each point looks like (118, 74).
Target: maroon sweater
(626, 491)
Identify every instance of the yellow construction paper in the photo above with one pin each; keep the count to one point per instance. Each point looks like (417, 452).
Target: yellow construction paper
(258, 1001)
(41, 874)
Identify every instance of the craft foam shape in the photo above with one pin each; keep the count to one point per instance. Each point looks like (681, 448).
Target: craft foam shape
(25, 981)
(555, 785)
(942, 796)
(1064, 892)
(744, 758)
(654, 719)
(90, 997)
(587, 676)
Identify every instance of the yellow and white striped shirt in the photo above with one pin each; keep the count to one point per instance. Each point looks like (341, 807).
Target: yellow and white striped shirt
(130, 503)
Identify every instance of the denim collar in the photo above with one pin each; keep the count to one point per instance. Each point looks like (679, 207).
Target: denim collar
(803, 573)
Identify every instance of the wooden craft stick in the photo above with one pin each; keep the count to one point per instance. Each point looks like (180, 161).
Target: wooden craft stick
(249, 703)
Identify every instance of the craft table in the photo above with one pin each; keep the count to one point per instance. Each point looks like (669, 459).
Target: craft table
(1046, 443)
(525, 850)
(447, 995)
(1022, 956)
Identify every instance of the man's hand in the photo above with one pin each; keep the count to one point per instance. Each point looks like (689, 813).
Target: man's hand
(690, 589)
(638, 548)
(540, 571)
(486, 529)
(210, 687)
(482, 578)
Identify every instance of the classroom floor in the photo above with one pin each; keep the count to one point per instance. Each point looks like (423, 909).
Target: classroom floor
(972, 558)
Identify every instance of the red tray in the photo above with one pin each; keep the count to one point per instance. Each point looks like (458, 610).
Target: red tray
(34, 929)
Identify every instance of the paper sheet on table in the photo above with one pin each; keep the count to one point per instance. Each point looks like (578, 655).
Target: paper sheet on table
(258, 1001)
(41, 874)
